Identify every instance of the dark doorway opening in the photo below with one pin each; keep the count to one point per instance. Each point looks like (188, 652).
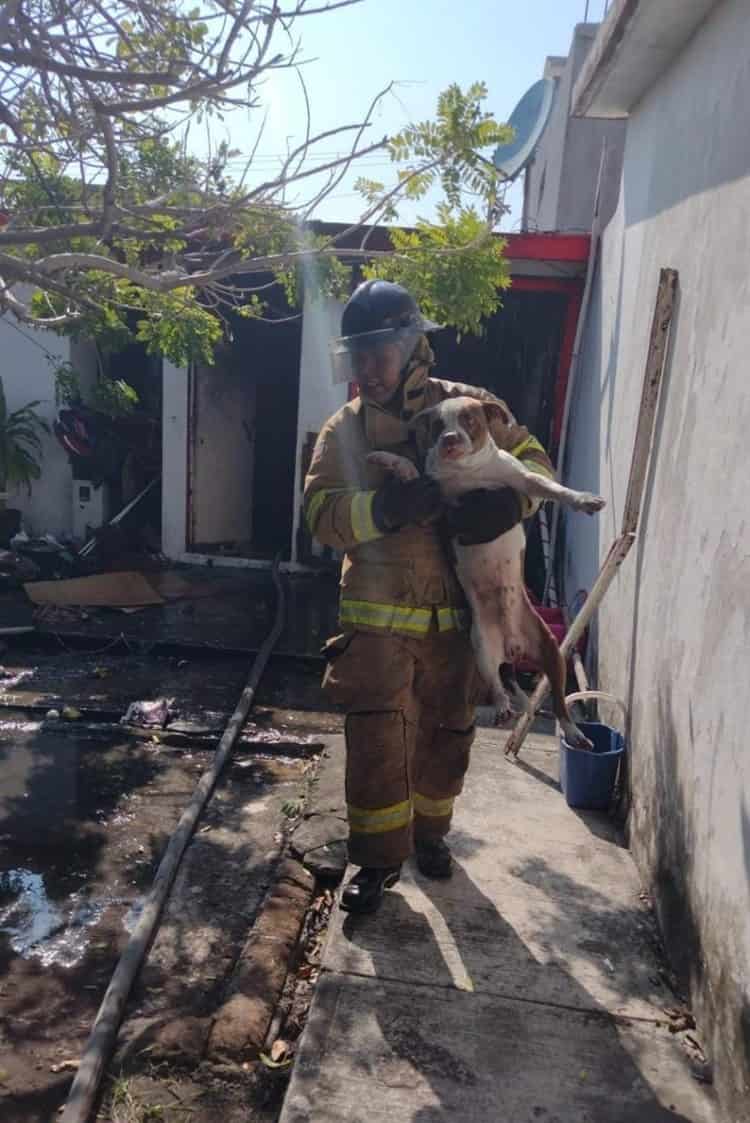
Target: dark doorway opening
(142, 431)
(517, 358)
(126, 438)
(275, 350)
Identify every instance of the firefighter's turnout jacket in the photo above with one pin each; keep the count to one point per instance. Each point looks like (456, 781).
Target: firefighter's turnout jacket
(402, 667)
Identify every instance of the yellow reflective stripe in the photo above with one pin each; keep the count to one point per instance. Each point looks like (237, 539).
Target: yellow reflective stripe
(373, 615)
(526, 444)
(379, 819)
(451, 620)
(363, 527)
(433, 808)
(539, 468)
(312, 513)
(531, 444)
(314, 505)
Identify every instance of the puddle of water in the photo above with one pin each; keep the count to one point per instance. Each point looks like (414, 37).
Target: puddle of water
(7, 727)
(10, 679)
(54, 933)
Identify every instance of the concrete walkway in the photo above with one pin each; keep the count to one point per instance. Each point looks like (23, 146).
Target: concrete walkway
(525, 989)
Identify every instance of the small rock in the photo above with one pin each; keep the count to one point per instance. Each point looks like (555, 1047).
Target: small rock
(65, 1066)
(53, 715)
(279, 1049)
(71, 713)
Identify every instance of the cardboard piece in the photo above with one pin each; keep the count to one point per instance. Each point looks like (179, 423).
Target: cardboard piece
(102, 590)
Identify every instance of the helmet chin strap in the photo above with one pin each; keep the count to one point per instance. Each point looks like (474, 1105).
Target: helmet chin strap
(396, 401)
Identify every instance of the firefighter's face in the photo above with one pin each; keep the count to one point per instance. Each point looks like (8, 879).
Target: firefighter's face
(378, 371)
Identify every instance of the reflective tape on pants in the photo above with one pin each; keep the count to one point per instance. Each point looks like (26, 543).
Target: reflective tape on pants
(433, 808)
(378, 820)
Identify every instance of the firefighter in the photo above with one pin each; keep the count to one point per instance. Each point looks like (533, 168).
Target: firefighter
(402, 667)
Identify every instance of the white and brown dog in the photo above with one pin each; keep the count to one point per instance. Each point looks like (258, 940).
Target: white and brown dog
(462, 456)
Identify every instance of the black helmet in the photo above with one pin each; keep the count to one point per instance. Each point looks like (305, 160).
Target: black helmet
(377, 312)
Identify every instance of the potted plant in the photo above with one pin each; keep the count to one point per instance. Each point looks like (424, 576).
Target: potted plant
(20, 454)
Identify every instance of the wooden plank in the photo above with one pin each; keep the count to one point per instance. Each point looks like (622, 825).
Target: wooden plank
(580, 672)
(658, 349)
(617, 554)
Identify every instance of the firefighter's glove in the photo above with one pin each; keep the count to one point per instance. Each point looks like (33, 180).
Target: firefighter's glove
(483, 515)
(398, 503)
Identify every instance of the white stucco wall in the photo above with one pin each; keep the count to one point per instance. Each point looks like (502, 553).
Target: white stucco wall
(26, 366)
(542, 187)
(319, 398)
(674, 630)
(567, 158)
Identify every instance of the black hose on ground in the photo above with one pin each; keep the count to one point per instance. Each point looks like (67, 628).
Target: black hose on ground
(101, 1042)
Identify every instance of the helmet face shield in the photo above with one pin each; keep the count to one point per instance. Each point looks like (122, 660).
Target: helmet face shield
(346, 350)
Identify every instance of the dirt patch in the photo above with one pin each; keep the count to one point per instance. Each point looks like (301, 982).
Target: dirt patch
(186, 1086)
(85, 813)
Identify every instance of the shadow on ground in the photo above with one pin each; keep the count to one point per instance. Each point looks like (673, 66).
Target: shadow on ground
(467, 1047)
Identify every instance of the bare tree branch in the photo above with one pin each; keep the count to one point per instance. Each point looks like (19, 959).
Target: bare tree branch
(302, 10)
(107, 208)
(18, 56)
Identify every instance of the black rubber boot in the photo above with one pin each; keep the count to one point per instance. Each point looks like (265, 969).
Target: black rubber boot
(433, 858)
(365, 891)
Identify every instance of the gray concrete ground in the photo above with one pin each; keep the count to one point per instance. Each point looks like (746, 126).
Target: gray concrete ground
(527, 988)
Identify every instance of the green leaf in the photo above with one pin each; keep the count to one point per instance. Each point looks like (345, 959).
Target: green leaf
(20, 443)
(456, 268)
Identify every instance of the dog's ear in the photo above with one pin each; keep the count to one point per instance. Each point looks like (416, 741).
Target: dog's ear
(496, 413)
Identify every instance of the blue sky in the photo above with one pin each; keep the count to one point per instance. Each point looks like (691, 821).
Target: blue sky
(424, 45)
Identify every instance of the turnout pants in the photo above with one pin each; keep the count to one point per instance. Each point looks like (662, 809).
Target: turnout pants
(409, 728)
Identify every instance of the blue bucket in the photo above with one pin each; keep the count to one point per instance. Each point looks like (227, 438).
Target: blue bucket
(587, 777)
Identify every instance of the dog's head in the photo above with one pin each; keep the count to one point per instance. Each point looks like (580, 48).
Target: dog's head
(458, 427)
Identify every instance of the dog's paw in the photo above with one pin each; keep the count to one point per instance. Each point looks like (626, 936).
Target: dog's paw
(402, 468)
(503, 716)
(590, 503)
(578, 740)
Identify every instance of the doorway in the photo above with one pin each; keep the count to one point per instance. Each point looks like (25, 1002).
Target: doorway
(243, 435)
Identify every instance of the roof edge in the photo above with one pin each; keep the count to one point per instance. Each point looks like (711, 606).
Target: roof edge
(635, 44)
